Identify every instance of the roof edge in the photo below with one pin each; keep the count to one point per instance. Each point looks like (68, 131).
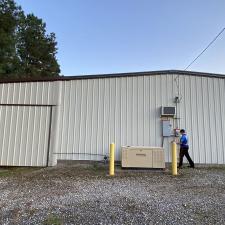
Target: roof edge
(114, 75)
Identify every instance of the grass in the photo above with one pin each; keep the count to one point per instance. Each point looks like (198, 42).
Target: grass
(53, 220)
(11, 171)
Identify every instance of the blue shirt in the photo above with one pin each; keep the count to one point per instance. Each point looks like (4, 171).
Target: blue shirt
(184, 140)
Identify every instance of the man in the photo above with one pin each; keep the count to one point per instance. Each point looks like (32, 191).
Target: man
(184, 149)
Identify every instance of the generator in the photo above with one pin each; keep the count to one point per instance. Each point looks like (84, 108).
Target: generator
(142, 157)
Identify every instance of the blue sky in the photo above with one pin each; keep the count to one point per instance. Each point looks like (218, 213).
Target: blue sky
(110, 36)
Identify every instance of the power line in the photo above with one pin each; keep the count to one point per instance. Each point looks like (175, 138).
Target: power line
(206, 48)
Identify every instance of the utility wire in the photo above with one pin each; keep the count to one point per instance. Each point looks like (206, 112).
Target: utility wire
(206, 48)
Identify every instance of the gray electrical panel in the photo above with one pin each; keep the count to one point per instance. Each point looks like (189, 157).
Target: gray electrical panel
(166, 128)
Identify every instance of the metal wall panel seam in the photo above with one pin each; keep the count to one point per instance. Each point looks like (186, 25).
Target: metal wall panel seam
(38, 138)
(22, 130)
(215, 119)
(87, 109)
(3, 140)
(30, 134)
(137, 84)
(86, 137)
(115, 128)
(108, 114)
(192, 144)
(127, 105)
(27, 138)
(34, 136)
(112, 111)
(223, 122)
(200, 113)
(203, 146)
(209, 119)
(104, 97)
(61, 117)
(197, 121)
(46, 137)
(150, 102)
(98, 110)
(206, 122)
(15, 137)
(154, 109)
(49, 136)
(10, 126)
(222, 113)
(92, 117)
(135, 120)
(220, 122)
(144, 109)
(121, 112)
(13, 96)
(81, 116)
(1, 149)
(8, 133)
(32, 142)
(65, 118)
(200, 118)
(213, 122)
(215, 154)
(29, 123)
(75, 115)
(67, 146)
(184, 103)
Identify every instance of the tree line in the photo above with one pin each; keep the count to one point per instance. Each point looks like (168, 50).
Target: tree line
(26, 50)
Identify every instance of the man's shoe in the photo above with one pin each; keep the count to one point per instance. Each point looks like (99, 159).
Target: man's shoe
(191, 167)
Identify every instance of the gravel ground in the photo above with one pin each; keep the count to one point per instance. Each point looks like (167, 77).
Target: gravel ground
(84, 194)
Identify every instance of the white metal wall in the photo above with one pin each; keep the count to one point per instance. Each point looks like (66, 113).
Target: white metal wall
(88, 114)
(126, 110)
(24, 135)
(25, 119)
(42, 93)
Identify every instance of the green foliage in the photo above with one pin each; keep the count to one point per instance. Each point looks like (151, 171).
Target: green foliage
(9, 19)
(36, 50)
(25, 48)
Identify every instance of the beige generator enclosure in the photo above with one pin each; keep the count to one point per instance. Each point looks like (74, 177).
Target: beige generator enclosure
(143, 157)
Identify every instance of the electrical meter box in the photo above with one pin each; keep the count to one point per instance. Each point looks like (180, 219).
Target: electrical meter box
(166, 128)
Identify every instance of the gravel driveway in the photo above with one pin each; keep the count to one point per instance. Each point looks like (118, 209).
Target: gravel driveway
(84, 194)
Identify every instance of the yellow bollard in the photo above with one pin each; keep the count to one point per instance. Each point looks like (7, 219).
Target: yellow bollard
(112, 158)
(174, 158)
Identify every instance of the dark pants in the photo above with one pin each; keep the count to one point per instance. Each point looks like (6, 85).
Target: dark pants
(184, 152)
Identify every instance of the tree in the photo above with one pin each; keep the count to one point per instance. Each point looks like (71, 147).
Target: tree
(9, 19)
(36, 50)
(25, 48)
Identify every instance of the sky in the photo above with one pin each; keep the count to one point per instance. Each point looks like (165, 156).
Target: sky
(114, 36)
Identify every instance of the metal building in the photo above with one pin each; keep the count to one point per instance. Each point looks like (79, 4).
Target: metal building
(76, 118)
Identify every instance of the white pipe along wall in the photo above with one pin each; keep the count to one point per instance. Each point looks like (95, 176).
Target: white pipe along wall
(76, 118)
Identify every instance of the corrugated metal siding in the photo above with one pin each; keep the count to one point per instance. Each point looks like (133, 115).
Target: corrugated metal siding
(42, 93)
(126, 110)
(24, 135)
(25, 114)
